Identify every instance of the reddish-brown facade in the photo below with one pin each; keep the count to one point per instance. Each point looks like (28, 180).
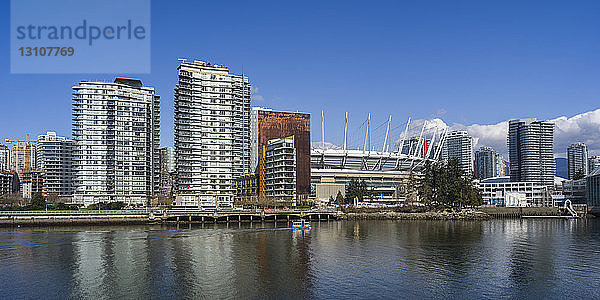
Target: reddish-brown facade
(277, 124)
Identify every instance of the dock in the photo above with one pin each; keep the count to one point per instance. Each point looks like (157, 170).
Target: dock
(172, 216)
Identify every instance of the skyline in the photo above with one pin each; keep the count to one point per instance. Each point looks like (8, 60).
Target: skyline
(494, 61)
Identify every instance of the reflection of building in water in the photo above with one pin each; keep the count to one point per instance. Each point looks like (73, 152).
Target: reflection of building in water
(274, 263)
(114, 264)
(532, 255)
(90, 263)
(214, 266)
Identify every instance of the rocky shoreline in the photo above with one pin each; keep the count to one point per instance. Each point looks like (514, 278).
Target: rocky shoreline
(462, 215)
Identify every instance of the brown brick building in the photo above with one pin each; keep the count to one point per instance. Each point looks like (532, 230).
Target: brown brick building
(269, 124)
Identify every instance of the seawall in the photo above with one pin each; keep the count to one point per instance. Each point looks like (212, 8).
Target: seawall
(462, 215)
(8, 221)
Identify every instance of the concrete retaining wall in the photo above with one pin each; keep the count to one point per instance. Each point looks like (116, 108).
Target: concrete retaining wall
(72, 220)
(517, 212)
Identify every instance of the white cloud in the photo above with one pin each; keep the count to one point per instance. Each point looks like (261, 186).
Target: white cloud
(583, 127)
(439, 113)
(493, 135)
(258, 97)
(326, 145)
(431, 126)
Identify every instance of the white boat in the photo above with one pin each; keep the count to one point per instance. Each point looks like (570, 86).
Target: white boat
(301, 225)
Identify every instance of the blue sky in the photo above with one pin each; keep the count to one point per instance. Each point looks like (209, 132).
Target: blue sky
(467, 62)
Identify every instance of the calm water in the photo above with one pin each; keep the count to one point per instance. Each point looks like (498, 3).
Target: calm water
(366, 259)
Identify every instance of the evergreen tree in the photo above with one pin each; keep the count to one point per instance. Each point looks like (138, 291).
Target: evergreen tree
(445, 184)
(339, 199)
(357, 189)
(37, 201)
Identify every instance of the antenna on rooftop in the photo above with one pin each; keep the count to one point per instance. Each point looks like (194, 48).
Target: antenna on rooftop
(182, 60)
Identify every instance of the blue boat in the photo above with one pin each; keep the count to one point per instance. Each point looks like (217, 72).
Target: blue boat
(301, 225)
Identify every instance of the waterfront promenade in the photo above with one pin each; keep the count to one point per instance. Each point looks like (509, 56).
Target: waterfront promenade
(176, 216)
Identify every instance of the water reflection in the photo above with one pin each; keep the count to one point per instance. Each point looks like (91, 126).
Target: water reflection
(366, 259)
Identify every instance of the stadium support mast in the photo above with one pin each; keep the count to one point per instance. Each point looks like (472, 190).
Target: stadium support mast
(431, 144)
(387, 131)
(323, 130)
(419, 140)
(367, 134)
(345, 131)
(404, 138)
(439, 149)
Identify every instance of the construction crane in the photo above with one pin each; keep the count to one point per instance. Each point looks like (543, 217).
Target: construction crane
(28, 144)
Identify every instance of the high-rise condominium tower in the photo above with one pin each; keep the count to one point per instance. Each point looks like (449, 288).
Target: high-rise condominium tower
(212, 122)
(488, 163)
(55, 158)
(4, 158)
(116, 136)
(593, 163)
(530, 151)
(459, 145)
(577, 157)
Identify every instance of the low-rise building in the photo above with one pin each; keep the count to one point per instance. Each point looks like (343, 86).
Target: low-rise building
(324, 192)
(593, 192)
(575, 190)
(246, 187)
(515, 199)
(386, 187)
(494, 192)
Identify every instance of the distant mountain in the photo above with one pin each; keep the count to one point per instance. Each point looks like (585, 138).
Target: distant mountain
(562, 167)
